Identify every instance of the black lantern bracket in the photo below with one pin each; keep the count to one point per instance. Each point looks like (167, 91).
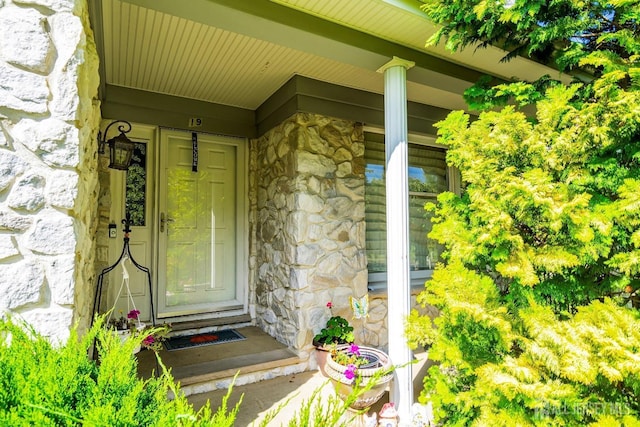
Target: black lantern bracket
(120, 147)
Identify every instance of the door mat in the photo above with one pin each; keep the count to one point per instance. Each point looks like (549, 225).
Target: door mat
(198, 340)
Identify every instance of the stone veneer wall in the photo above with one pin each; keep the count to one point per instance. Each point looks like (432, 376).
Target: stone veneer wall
(307, 231)
(308, 244)
(48, 178)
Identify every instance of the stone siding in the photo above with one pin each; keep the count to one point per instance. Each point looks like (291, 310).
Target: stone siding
(48, 178)
(308, 244)
(307, 232)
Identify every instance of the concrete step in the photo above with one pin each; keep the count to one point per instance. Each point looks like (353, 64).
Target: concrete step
(212, 367)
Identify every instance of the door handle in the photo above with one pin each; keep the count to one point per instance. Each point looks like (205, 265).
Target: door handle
(164, 220)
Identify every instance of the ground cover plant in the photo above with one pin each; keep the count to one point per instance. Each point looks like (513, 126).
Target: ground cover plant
(538, 296)
(46, 385)
(61, 385)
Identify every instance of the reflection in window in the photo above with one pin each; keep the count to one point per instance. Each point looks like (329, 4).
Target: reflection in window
(136, 187)
(427, 178)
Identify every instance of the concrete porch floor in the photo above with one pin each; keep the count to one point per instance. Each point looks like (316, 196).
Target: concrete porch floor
(205, 368)
(292, 390)
(262, 397)
(265, 396)
(205, 372)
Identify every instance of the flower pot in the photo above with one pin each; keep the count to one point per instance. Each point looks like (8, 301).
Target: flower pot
(322, 350)
(343, 386)
(321, 358)
(124, 334)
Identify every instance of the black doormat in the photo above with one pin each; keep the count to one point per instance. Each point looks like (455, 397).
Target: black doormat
(198, 340)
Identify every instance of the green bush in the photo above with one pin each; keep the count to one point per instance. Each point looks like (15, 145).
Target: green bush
(46, 385)
(539, 294)
(526, 367)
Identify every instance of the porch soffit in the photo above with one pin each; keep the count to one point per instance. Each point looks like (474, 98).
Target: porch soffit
(239, 52)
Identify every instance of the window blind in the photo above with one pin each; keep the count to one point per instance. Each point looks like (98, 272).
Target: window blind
(428, 177)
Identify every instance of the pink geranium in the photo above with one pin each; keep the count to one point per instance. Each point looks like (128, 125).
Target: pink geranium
(354, 349)
(350, 372)
(133, 314)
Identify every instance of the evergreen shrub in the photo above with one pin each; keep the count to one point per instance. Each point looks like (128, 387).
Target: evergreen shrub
(538, 295)
(60, 385)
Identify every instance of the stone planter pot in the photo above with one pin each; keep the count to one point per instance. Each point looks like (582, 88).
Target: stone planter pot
(322, 350)
(343, 386)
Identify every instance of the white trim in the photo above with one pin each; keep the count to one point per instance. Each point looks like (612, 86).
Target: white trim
(400, 64)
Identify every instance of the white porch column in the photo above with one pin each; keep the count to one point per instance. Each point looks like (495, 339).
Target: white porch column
(398, 281)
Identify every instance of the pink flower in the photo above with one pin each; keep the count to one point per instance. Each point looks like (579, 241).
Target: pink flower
(354, 349)
(133, 314)
(330, 305)
(350, 372)
(148, 340)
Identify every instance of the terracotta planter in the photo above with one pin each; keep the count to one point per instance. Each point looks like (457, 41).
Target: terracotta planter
(344, 387)
(321, 358)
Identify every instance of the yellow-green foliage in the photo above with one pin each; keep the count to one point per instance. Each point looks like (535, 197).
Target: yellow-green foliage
(584, 369)
(546, 228)
(46, 385)
(539, 294)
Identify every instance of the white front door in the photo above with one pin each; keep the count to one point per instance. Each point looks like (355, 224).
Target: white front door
(201, 226)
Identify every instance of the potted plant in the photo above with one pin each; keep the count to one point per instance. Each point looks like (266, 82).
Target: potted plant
(351, 365)
(337, 331)
(154, 337)
(124, 327)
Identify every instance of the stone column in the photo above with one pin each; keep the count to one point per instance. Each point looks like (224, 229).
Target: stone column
(48, 180)
(309, 225)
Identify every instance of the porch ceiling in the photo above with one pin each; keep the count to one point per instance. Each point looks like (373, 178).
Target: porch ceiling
(239, 52)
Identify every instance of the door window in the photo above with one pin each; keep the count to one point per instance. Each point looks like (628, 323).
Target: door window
(136, 186)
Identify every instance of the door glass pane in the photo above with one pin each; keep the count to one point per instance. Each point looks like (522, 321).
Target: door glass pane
(136, 186)
(187, 241)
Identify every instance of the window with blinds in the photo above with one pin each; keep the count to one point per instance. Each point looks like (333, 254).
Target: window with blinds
(428, 177)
